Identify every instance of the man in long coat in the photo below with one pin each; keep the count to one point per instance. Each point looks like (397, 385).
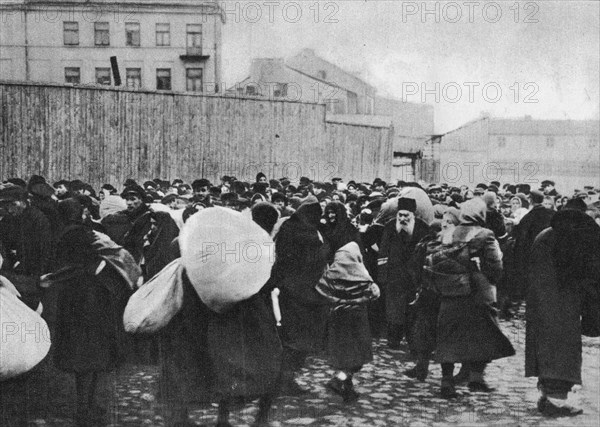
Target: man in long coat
(564, 272)
(400, 237)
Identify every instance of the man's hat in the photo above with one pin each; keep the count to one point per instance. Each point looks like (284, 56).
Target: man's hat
(134, 190)
(547, 182)
(12, 193)
(406, 204)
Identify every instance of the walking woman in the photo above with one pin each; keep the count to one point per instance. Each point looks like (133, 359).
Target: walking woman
(468, 329)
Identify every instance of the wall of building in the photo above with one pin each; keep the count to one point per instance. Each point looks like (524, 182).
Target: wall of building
(107, 135)
(409, 118)
(523, 151)
(48, 56)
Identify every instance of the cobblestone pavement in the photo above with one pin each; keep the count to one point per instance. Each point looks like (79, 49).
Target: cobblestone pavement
(388, 398)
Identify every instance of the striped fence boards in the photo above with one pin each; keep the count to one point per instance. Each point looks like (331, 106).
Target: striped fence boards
(107, 135)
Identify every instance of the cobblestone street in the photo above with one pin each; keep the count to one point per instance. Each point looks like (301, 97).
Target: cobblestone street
(387, 396)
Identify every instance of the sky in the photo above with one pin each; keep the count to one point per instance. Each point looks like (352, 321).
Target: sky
(466, 58)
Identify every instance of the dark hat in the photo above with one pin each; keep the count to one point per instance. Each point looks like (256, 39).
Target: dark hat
(134, 190)
(17, 181)
(576, 204)
(11, 193)
(406, 204)
(547, 182)
(62, 182)
(493, 188)
(536, 196)
(496, 183)
(481, 185)
(129, 182)
(265, 215)
(304, 180)
(203, 182)
(149, 184)
(41, 189)
(108, 187)
(35, 179)
(335, 179)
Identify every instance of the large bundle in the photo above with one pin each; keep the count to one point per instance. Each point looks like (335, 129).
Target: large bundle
(25, 338)
(153, 306)
(226, 255)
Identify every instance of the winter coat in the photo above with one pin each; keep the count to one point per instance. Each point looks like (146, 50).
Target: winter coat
(207, 356)
(554, 299)
(300, 260)
(393, 274)
(468, 328)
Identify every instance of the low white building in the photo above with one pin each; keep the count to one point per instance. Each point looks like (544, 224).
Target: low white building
(158, 44)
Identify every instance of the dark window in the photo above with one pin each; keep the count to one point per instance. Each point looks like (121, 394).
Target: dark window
(194, 39)
(251, 90)
(101, 34)
(550, 141)
(103, 76)
(193, 79)
(322, 74)
(134, 78)
(280, 90)
(71, 33)
(72, 75)
(163, 78)
(501, 141)
(163, 34)
(132, 34)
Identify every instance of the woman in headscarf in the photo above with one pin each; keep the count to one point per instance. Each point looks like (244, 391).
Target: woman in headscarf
(468, 330)
(519, 206)
(301, 257)
(348, 287)
(564, 278)
(89, 335)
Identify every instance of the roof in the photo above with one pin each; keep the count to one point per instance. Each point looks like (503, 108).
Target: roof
(543, 127)
(360, 119)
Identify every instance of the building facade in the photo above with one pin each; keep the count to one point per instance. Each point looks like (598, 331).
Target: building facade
(523, 151)
(158, 44)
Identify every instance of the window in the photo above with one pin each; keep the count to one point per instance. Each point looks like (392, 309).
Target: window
(501, 141)
(103, 76)
(193, 79)
(163, 34)
(194, 39)
(550, 141)
(132, 34)
(101, 34)
(72, 75)
(134, 77)
(71, 33)
(163, 78)
(280, 90)
(322, 74)
(251, 90)
(370, 107)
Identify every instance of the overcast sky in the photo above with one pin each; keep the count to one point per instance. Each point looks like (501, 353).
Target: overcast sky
(549, 55)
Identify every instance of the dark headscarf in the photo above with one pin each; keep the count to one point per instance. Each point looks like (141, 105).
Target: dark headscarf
(76, 246)
(576, 251)
(70, 211)
(473, 212)
(342, 232)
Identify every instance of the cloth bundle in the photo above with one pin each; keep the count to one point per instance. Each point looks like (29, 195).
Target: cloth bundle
(25, 338)
(227, 256)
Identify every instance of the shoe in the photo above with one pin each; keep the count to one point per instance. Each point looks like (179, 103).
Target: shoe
(291, 388)
(462, 377)
(336, 385)
(343, 388)
(549, 409)
(482, 387)
(417, 372)
(448, 391)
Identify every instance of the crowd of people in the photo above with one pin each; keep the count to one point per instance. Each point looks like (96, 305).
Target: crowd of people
(434, 266)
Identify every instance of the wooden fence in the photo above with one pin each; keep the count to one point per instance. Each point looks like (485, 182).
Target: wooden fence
(108, 135)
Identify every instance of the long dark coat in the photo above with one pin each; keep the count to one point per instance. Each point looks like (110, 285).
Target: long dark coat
(468, 328)
(207, 356)
(89, 327)
(553, 335)
(525, 233)
(395, 276)
(301, 258)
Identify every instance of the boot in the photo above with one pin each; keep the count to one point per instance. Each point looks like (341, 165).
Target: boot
(463, 375)
(419, 371)
(289, 387)
(550, 409)
(448, 391)
(477, 383)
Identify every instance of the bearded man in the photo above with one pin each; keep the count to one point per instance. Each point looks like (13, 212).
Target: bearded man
(400, 237)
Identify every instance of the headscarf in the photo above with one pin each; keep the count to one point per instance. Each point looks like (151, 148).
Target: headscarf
(473, 212)
(489, 198)
(342, 232)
